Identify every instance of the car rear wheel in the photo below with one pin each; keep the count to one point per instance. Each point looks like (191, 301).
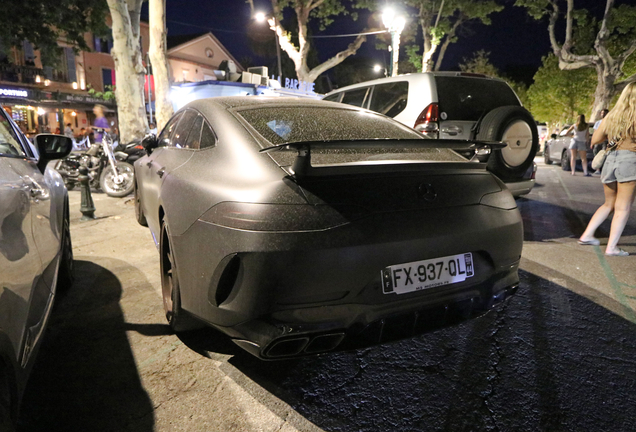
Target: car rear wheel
(546, 155)
(139, 211)
(177, 318)
(565, 161)
(515, 126)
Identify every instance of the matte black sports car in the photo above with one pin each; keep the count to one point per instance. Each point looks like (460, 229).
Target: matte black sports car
(299, 227)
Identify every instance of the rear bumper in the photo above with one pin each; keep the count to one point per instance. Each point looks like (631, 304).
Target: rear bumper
(256, 286)
(315, 330)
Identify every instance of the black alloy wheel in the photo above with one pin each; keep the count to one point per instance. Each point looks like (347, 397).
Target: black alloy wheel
(565, 160)
(177, 318)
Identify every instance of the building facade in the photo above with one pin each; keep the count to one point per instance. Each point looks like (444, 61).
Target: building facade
(44, 99)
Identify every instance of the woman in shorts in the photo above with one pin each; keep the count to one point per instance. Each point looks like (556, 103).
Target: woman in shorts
(578, 144)
(618, 173)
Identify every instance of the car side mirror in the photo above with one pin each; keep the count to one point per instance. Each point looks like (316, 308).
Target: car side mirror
(52, 147)
(149, 143)
(553, 136)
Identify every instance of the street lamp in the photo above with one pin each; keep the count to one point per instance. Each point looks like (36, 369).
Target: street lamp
(377, 68)
(261, 17)
(395, 25)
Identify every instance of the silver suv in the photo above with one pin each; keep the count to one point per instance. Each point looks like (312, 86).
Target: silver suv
(457, 105)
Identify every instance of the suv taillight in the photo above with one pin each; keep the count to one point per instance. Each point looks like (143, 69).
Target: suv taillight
(427, 121)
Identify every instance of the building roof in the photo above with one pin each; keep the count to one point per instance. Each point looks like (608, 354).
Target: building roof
(179, 42)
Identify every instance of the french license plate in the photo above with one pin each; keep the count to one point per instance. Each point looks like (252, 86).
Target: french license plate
(419, 275)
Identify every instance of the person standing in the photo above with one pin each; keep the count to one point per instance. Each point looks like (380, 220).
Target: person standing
(578, 144)
(618, 174)
(68, 131)
(598, 148)
(100, 122)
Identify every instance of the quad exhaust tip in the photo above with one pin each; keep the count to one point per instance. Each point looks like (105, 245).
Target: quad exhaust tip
(304, 345)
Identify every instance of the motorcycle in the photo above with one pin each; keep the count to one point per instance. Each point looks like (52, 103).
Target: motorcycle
(107, 170)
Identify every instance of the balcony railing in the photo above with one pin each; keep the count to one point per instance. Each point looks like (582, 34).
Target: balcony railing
(21, 74)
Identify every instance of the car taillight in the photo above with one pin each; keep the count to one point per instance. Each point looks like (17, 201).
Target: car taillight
(427, 121)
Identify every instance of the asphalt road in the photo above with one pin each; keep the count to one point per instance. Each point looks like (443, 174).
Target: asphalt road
(560, 355)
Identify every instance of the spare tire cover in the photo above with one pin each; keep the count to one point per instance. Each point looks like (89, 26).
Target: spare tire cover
(515, 126)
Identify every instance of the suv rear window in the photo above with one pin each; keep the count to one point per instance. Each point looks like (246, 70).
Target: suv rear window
(464, 98)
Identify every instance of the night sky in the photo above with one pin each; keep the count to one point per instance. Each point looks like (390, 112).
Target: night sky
(516, 42)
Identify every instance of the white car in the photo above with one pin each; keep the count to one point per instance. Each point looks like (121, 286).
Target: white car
(457, 105)
(36, 256)
(557, 149)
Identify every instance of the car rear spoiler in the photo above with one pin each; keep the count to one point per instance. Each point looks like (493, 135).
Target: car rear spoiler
(302, 165)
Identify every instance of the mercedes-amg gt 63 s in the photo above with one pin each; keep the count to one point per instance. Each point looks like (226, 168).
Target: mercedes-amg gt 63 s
(299, 227)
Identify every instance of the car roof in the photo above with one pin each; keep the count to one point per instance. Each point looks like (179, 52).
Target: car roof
(412, 77)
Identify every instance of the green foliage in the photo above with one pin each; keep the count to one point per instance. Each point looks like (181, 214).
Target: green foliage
(454, 14)
(480, 64)
(44, 22)
(413, 57)
(558, 95)
(107, 95)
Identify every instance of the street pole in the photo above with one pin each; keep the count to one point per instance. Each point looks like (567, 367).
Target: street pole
(280, 69)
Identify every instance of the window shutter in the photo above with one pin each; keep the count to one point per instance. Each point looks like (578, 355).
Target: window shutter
(70, 64)
(29, 54)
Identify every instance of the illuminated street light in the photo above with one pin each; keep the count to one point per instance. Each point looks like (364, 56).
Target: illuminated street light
(261, 17)
(378, 68)
(395, 25)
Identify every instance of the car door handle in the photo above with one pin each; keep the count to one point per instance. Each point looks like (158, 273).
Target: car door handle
(161, 171)
(149, 164)
(452, 130)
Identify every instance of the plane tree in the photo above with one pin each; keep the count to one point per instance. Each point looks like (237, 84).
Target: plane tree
(323, 12)
(613, 43)
(441, 22)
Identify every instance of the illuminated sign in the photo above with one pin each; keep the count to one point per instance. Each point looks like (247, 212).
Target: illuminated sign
(13, 93)
(297, 86)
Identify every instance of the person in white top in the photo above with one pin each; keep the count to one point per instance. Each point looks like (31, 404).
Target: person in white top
(579, 144)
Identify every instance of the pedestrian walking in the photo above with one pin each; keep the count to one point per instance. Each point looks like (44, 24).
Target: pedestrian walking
(100, 122)
(578, 144)
(618, 173)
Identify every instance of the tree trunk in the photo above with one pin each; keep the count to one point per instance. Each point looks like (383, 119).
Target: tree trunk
(129, 71)
(163, 106)
(605, 90)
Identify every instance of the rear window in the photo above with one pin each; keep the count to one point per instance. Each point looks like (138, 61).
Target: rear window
(356, 97)
(464, 98)
(281, 125)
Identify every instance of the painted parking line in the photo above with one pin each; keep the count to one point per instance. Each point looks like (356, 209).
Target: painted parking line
(616, 285)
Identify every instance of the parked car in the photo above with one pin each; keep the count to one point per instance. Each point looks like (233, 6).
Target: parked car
(36, 256)
(557, 149)
(299, 227)
(457, 105)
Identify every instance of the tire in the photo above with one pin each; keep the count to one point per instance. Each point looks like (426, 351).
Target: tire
(546, 155)
(108, 184)
(170, 288)
(139, 211)
(515, 126)
(565, 161)
(66, 273)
